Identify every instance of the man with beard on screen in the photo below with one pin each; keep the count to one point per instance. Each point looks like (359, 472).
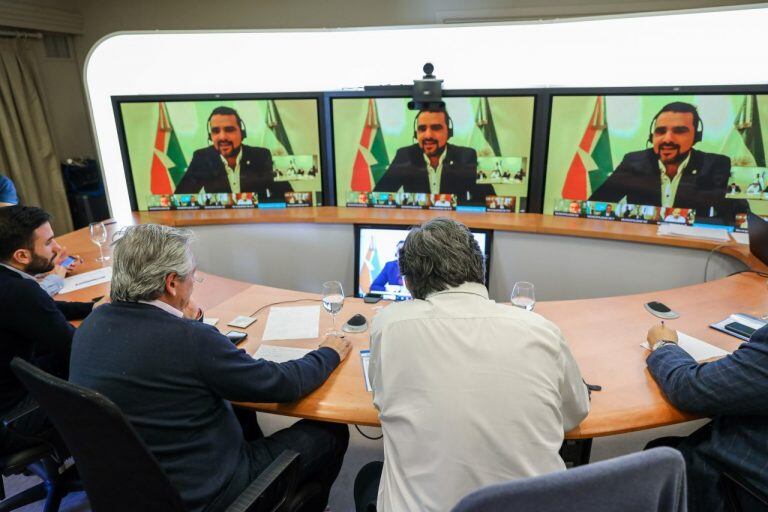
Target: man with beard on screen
(228, 166)
(432, 165)
(672, 173)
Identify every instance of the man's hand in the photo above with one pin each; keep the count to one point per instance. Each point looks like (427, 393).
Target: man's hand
(341, 345)
(660, 332)
(192, 311)
(62, 270)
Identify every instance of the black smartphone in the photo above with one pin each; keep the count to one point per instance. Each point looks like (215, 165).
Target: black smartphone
(236, 336)
(371, 298)
(738, 328)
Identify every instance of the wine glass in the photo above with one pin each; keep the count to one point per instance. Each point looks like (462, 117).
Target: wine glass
(333, 301)
(99, 237)
(523, 296)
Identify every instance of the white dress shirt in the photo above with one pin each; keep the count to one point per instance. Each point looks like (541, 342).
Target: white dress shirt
(470, 393)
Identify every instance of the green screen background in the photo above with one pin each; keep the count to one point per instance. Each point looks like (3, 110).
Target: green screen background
(628, 121)
(189, 118)
(512, 117)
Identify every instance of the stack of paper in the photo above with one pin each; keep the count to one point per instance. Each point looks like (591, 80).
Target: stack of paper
(741, 238)
(718, 235)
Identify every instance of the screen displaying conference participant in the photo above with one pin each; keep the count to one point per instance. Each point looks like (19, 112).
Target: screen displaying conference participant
(222, 153)
(658, 158)
(473, 155)
(377, 270)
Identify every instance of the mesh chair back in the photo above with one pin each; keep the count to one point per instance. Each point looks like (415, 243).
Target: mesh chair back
(649, 480)
(118, 471)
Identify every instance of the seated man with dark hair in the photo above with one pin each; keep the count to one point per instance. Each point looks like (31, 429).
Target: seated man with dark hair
(469, 392)
(174, 377)
(732, 392)
(32, 325)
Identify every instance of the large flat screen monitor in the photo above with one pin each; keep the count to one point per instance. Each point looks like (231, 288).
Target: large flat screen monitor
(221, 152)
(477, 157)
(650, 158)
(376, 268)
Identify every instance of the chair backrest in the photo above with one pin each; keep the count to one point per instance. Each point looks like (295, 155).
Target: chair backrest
(649, 480)
(118, 471)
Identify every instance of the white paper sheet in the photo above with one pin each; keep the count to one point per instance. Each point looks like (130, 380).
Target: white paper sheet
(86, 279)
(280, 354)
(718, 235)
(741, 238)
(292, 323)
(697, 349)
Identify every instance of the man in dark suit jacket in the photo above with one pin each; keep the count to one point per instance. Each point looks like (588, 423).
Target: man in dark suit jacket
(703, 181)
(32, 325)
(732, 392)
(173, 376)
(458, 176)
(247, 168)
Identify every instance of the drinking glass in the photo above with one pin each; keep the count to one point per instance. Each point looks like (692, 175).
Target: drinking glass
(333, 301)
(523, 296)
(99, 237)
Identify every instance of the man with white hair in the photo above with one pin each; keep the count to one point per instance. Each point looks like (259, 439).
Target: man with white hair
(174, 377)
(469, 392)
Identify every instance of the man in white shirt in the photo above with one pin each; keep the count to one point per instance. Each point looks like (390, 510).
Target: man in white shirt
(470, 392)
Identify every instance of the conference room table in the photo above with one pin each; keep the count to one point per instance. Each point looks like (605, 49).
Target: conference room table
(605, 334)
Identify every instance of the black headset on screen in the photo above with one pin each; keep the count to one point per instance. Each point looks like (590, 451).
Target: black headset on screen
(685, 108)
(226, 111)
(448, 119)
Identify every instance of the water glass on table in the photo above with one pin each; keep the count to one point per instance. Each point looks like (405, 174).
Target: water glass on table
(523, 296)
(99, 237)
(333, 301)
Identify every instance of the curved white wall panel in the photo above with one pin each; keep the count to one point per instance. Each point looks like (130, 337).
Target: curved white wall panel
(701, 48)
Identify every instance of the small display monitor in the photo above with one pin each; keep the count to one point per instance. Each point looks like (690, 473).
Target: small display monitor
(221, 152)
(377, 270)
(474, 155)
(652, 158)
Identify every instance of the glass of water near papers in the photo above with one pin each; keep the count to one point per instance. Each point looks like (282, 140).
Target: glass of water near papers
(333, 301)
(523, 296)
(99, 237)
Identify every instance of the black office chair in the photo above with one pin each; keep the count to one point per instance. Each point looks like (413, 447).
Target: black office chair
(39, 458)
(741, 496)
(118, 471)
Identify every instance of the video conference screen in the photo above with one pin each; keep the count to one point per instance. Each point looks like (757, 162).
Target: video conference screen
(658, 158)
(222, 153)
(477, 157)
(377, 271)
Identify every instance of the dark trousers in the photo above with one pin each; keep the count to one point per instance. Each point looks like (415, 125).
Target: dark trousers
(367, 486)
(706, 487)
(321, 447)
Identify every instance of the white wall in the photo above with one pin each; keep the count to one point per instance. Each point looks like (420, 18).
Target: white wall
(303, 256)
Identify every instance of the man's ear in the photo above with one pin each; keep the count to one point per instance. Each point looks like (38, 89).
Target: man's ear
(171, 286)
(22, 256)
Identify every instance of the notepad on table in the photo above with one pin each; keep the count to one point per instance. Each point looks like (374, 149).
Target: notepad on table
(365, 357)
(292, 323)
(697, 349)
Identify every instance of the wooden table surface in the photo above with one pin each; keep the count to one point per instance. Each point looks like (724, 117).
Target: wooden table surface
(604, 334)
